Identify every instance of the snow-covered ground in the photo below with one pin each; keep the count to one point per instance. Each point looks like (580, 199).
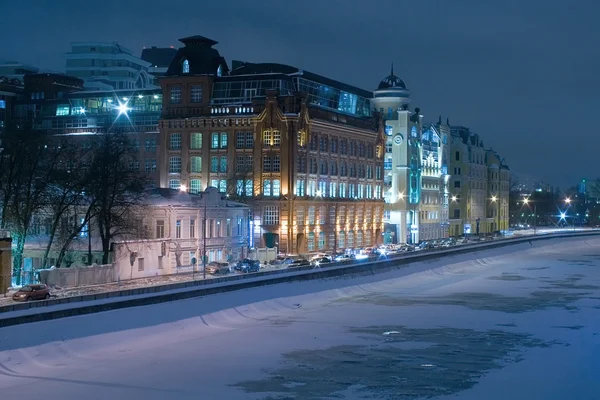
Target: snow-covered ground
(514, 323)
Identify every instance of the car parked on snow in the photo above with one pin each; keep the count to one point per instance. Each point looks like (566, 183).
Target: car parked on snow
(32, 292)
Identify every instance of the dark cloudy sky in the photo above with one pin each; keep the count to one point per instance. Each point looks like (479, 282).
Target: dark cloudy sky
(522, 73)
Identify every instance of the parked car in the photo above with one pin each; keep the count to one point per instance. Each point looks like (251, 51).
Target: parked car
(319, 256)
(250, 266)
(240, 264)
(345, 257)
(32, 292)
(218, 268)
(320, 261)
(300, 262)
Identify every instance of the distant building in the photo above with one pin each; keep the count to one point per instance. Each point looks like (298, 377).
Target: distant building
(159, 58)
(59, 105)
(10, 88)
(16, 70)
(105, 66)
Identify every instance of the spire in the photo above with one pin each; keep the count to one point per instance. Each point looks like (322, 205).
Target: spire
(392, 74)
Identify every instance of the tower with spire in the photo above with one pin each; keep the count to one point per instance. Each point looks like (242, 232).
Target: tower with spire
(402, 162)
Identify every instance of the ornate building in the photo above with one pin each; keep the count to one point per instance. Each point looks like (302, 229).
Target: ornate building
(304, 151)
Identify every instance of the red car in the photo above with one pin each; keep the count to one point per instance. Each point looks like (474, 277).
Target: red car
(32, 292)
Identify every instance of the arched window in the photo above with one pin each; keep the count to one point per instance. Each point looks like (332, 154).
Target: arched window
(220, 71)
(185, 67)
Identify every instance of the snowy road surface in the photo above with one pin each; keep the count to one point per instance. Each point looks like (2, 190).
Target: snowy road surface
(514, 323)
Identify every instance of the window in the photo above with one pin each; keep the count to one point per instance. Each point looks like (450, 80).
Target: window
(267, 187)
(160, 229)
(214, 164)
(62, 110)
(271, 215)
(185, 68)
(456, 213)
(301, 139)
(150, 145)
(175, 165)
(214, 144)
(311, 215)
(457, 156)
(195, 164)
(249, 140)
(175, 141)
(300, 187)
(300, 216)
(249, 188)
(2, 103)
(310, 243)
(276, 187)
(240, 140)
(276, 138)
(276, 164)
(267, 138)
(224, 140)
(220, 184)
(195, 186)
(223, 164)
(240, 163)
(332, 189)
(150, 165)
(175, 95)
(266, 164)
(178, 229)
(196, 141)
(457, 184)
(196, 94)
(134, 165)
(220, 70)
(174, 184)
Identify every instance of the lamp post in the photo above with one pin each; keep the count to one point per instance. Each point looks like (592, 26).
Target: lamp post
(568, 203)
(526, 201)
(204, 239)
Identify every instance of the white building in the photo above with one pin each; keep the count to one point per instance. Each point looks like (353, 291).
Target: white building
(107, 66)
(402, 165)
(176, 220)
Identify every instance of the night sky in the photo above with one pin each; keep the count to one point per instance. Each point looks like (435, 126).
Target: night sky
(523, 74)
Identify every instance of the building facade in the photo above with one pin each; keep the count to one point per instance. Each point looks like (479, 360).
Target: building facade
(106, 66)
(479, 186)
(60, 106)
(303, 151)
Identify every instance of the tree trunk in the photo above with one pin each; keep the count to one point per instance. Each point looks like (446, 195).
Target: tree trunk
(50, 241)
(18, 258)
(105, 249)
(89, 245)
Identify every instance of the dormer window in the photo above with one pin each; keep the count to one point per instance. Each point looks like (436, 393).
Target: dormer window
(220, 71)
(185, 67)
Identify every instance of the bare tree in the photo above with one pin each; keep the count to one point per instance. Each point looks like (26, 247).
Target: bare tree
(29, 161)
(237, 181)
(117, 189)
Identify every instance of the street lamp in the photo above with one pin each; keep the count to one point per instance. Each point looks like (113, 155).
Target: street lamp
(568, 203)
(526, 202)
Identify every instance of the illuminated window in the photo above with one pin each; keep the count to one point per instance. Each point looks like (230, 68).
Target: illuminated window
(302, 139)
(62, 110)
(196, 141)
(276, 187)
(271, 215)
(311, 241)
(249, 188)
(223, 164)
(195, 185)
(224, 140)
(267, 138)
(175, 141)
(174, 184)
(185, 68)
(175, 165)
(214, 141)
(276, 138)
(178, 229)
(195, 164)
(311, 215)
(214, 164)
(220, 71)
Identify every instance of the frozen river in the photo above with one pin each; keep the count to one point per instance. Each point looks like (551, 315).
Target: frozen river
(521, 322)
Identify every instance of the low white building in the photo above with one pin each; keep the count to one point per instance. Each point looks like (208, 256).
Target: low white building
(175, 221)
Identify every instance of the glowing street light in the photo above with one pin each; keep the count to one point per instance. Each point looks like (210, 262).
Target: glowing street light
(182, 188)
(494, 198)
(568, 200)
(319, 193)
(123, 109)
(563, 215)
(454, 198)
